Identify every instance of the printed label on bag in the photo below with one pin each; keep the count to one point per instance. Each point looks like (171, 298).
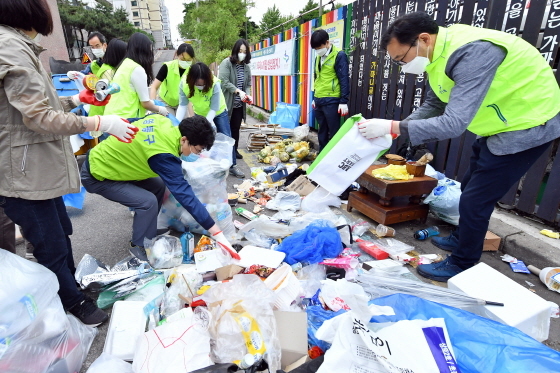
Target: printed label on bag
(250, 331)
(440, 350)
(30, 305)
(4, 345)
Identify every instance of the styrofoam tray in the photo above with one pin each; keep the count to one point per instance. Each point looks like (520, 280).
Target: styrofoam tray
(128, 322)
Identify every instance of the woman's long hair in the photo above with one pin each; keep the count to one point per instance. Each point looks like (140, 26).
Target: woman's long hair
(116, 51)
(140, 51)
(200, 71)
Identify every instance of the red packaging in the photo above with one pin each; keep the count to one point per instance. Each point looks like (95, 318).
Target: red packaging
(372, 249)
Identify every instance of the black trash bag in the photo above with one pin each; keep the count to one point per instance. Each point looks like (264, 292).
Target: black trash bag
(412, 153)
(218, 368)
(309, 367)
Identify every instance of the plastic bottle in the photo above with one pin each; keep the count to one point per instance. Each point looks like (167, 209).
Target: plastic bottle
(385, 231)
(187, 243)
(247, 362)
(550, 276)
(423, 234)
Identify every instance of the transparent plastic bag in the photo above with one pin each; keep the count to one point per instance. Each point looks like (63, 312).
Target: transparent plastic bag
(164, 251)
(444, 200)
(259, 239)
(127, 287)
(303, 221)
(222, 149)
(310, 278)
(300, 133)
(243, 321)
(185, 280)
(263, 225)
(106, 363)
(285, 201)
(319, 200)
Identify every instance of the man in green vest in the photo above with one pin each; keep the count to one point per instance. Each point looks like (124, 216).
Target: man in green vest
(98, 44)
(136, 174)
(332, 86)
(491, 83)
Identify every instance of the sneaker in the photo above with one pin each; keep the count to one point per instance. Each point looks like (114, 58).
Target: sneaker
(89, 313)
(448, 243)
(238, 155)
(139, 252)
(441, 271)
(235, 171)
(29, 251)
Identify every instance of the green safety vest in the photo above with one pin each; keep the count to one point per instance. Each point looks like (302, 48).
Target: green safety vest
(169, 90)
(95, 67)
(126, 103)
(115, 160)
(326, 81)
(99, 110)
(201, 101)
(524, 92)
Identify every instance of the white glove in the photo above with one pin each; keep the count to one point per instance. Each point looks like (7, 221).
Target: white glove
(343, 109)
(372, 128)
(224, 244)
(313, 104)
(78, 78)
(181, 112)
(241, 95)
(211, 115)
(117, 126)
(163, 111)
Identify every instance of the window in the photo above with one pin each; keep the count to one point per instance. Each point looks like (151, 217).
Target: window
(137, 24)
(134, 3)
(135, 14)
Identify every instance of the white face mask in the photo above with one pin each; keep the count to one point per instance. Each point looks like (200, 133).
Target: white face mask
(184, 64)
(241, 57)
(38, 38)
(321, 52)
(199, 87)
(99, 53)
(418, 64)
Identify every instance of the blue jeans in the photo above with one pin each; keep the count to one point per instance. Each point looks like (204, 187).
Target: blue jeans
(488, 178)
(222, 125)
(45, 223)
(329, 122)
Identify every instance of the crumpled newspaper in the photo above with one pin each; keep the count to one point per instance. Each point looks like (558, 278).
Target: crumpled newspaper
(392, 172)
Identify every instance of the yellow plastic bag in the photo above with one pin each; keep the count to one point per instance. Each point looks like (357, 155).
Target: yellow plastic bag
(392, 172)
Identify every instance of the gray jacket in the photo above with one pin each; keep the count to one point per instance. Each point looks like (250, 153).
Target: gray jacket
(228, 78)
(36, 158)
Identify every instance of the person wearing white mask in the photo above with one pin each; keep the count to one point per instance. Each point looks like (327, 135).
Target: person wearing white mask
(470, 87)
(235, 75)
(332, 86)
(98, 44)
(169, 77)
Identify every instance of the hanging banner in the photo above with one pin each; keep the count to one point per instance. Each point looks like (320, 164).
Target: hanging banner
(275, 60)
(336, 33)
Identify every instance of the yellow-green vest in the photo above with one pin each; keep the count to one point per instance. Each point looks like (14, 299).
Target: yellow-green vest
(94, 66)
(169, 89)
(99, 110)
(524, 92)
(326, 81)
(201, 101)
(115, 160)
(126, 103)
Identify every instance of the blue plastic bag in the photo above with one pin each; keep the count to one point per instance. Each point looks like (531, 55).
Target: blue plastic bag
(312, 244)
(480, 344)
(316, 316)
(75, 199)
(286, 115)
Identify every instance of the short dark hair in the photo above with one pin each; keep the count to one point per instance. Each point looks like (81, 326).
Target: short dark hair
(139, 50)
(235, 51)
(185, 48)
(318, 38)
(97, 34)
(200, 71)
(27, 15)
(407, 27)
(116, 50)
(198, 130)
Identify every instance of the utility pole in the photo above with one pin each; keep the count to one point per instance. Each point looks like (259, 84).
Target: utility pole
(246, 36)
(320, 8)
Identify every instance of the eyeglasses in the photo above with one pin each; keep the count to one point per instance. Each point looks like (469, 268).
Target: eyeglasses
(195, 151)
(401, 62)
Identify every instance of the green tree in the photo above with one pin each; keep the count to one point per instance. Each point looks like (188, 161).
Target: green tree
(311, 15)
(215, 24)
(271, 19)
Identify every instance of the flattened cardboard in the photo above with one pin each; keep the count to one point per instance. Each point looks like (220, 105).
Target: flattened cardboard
(301, 186)
(292, 333)
(491, 242)
(227, 272)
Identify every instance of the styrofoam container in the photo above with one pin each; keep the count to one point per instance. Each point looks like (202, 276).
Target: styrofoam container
(285, 285)
(522, 309)
(128, 323)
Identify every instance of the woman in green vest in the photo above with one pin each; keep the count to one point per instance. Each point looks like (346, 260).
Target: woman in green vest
(169, 77)
(202, 89)
(134, 76)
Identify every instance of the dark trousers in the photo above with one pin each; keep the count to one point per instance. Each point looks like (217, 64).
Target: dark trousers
(488, 178)
(45, 223)
(145, 197)
(329, 122)
(7, 233)
(235, 124)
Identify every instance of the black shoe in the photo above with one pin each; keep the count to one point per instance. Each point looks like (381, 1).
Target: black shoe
(139, 252)
(237, 155)
(88, 313)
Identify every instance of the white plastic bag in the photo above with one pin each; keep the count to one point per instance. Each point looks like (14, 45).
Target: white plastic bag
(319, 200)
(444, 201)
(284, 201)
(164, 251)
(300, 133)
(106, 363)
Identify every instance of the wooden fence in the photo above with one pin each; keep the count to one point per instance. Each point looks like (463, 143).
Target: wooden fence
(380, 90)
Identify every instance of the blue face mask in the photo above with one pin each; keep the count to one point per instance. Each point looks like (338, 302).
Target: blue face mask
(190, 158)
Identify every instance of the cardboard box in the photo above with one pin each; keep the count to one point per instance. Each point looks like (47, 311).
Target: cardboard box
(491, 242)
(292, 333)
(301, 186)
(227, 272)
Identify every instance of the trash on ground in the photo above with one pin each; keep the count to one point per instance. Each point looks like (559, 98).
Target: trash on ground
(127, 323)
(508, 258)
(551, 234)
(550, 276)
(519, 267)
